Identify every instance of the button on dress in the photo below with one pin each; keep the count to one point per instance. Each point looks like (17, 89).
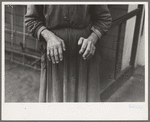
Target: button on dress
(73, 79)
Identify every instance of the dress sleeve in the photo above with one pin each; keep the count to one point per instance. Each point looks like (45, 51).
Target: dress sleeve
(35, 20)
(101, 19)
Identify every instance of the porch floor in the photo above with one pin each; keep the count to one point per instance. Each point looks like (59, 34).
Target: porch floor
(132, 90)
(22, 85)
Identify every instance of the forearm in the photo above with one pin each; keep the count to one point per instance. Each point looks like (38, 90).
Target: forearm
(34, 20)
(101, 19)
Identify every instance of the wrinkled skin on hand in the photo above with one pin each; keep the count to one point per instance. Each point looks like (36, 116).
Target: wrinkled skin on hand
(88, 46)
(56, 46)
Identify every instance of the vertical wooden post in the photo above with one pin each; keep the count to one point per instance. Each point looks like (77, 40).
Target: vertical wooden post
(117, 50)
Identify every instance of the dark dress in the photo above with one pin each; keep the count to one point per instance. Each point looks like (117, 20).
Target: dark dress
(74, 79)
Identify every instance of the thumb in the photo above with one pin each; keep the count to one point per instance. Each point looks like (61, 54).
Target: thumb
(80, 41)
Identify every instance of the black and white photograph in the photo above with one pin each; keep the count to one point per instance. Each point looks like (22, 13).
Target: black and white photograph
(65, 59)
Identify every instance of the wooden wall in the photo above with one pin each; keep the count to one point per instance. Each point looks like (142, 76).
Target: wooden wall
(17, 37)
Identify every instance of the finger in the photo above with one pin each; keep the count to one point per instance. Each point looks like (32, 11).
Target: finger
(87, 51)
(80, 40)
(93, 51)
(60, 53)
(48, 54)
(90, 55)
(56, 55)
(83, 47)
(63, 45)
(52, 56)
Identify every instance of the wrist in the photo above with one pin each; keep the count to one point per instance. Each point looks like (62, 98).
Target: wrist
(97, 32)
(46, 34)
(93, 37)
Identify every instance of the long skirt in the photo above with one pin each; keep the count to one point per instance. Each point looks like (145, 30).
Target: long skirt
(73, 79)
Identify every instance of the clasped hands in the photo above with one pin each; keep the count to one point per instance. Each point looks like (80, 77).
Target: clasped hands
(56, 46)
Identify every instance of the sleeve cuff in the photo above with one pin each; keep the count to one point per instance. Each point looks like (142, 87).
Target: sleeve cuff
(97, 32)
(39, 31)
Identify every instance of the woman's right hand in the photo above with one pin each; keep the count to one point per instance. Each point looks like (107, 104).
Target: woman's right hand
(55, 46)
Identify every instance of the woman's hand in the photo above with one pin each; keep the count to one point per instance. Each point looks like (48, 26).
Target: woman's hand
(88, 46)
(55, 46)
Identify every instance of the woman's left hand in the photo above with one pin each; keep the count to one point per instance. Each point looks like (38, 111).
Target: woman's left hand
(88, 46)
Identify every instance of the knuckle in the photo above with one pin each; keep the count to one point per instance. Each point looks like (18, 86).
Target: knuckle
(51, 48)
(85, 55)
(88, 50)
(81, 37)
(87, 41)
(54, 46)
(83, 48)
(59, 42)
(91, 53)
